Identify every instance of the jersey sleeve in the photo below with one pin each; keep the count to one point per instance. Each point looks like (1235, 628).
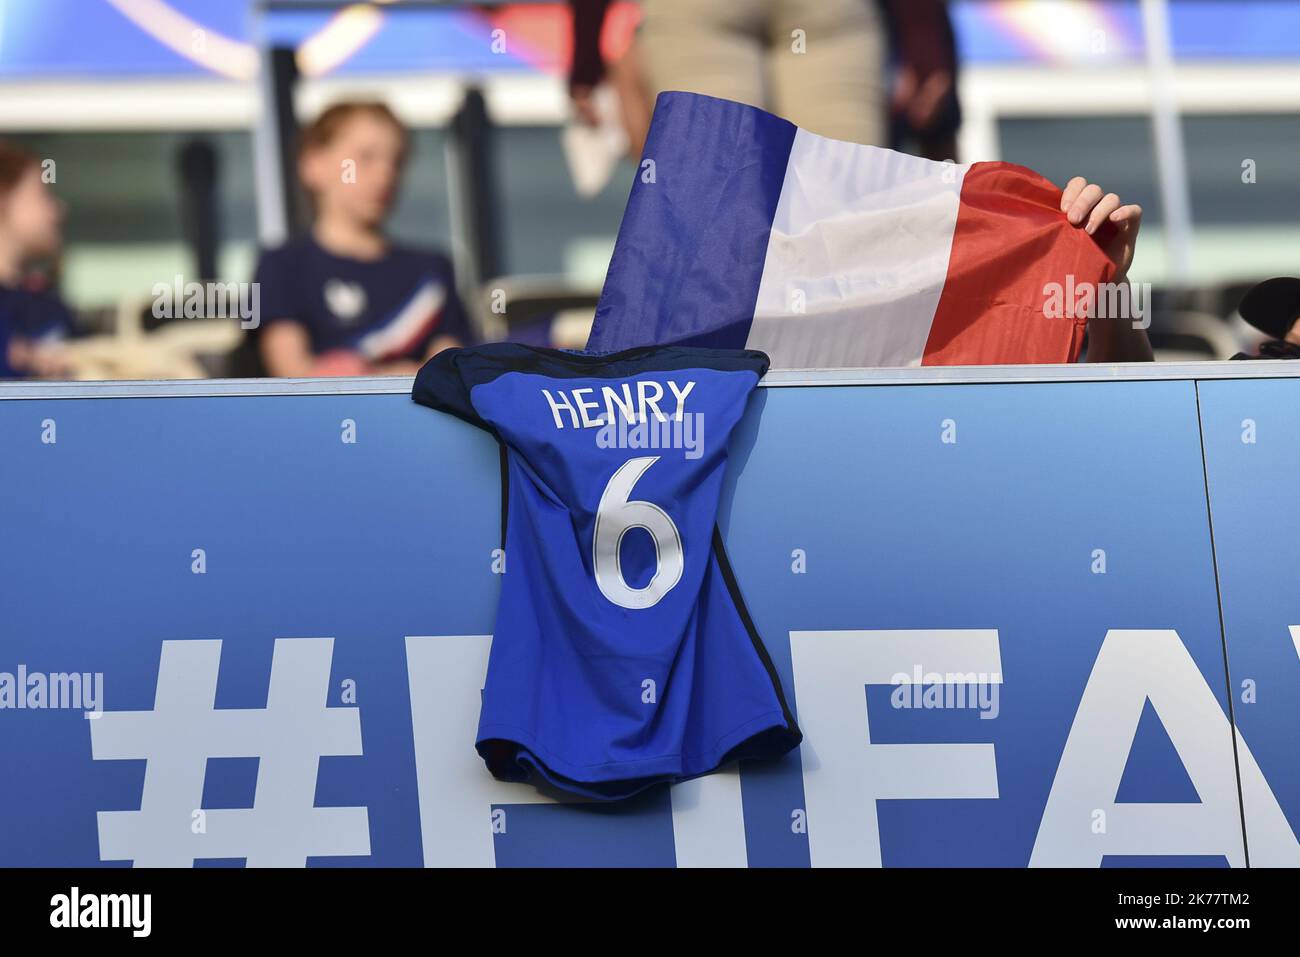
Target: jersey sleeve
(441, 384)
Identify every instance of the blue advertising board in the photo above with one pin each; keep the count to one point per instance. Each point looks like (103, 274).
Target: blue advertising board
(248, 624)
(1252, 456)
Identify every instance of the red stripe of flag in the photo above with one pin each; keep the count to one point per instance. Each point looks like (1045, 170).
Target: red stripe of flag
(1010, 241)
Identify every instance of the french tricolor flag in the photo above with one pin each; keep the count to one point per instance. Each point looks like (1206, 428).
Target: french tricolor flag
(743, 230)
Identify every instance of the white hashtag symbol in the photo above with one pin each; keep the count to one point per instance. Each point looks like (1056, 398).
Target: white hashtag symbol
(283, 827)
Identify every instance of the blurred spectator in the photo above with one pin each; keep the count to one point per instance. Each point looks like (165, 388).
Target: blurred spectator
(346, 300)
(925, 112)
(1273, 307)
(818, 63)
(33, 320)
(587, 69)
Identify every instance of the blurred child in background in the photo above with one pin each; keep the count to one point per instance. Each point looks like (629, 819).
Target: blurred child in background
(345, 299)
(33, 320)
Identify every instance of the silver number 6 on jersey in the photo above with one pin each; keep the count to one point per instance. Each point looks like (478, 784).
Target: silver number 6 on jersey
(615, 516)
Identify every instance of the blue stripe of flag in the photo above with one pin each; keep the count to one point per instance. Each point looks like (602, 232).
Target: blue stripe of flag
(689, 255)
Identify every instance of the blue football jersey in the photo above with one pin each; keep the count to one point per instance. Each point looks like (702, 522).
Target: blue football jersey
(623, 654)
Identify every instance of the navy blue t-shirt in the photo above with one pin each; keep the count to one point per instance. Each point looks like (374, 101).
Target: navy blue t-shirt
(37, 316)
(386, 309)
